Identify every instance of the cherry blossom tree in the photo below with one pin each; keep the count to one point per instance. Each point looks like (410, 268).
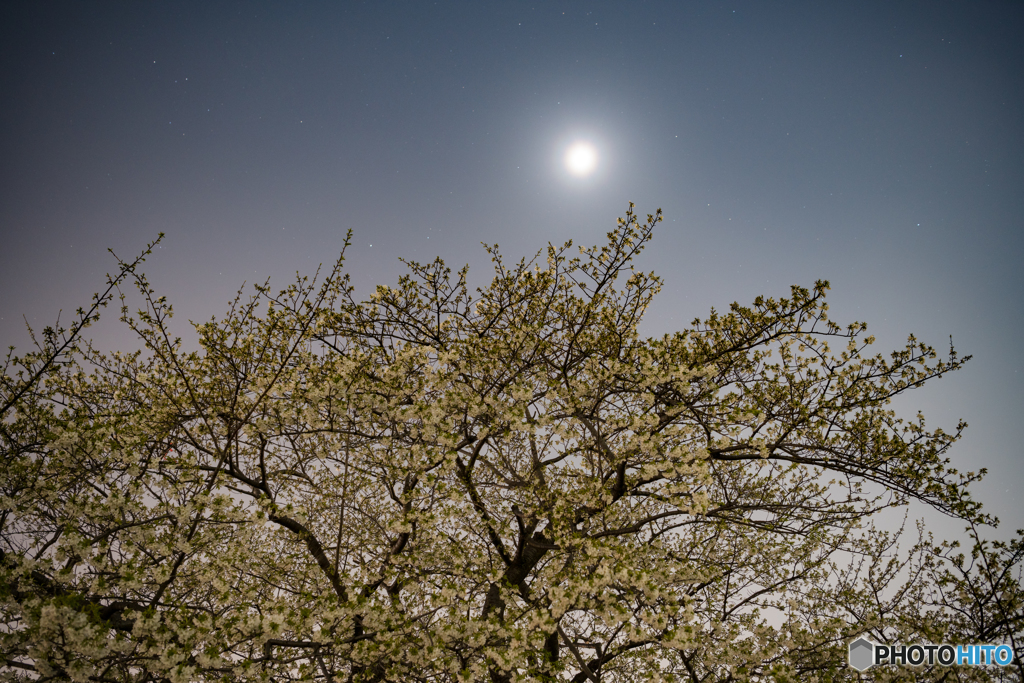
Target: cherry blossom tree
(501, 484)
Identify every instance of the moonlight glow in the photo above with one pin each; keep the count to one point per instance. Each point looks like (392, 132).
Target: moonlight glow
(581, 158)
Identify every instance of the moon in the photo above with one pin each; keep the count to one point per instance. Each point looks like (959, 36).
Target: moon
(581, 158)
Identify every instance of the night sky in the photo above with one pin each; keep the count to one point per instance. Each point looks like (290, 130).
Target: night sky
(876, 145)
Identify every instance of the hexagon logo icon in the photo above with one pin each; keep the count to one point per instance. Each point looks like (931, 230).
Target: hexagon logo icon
(861, 654)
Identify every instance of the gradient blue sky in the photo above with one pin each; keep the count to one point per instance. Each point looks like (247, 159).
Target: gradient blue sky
(874, 144)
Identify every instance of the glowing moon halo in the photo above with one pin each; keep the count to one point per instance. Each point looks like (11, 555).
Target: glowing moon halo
(581, 158)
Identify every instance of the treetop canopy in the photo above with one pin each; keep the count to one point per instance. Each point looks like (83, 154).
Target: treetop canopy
(501, 484)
